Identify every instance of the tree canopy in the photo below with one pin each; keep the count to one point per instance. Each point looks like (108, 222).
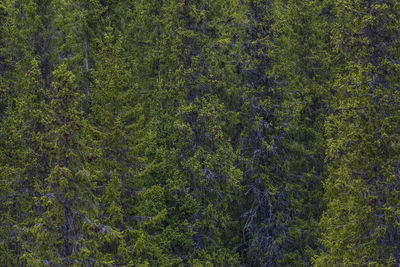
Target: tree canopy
(200, 133)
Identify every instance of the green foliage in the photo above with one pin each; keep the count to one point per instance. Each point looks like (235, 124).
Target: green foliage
(360, 225)
(199, 133)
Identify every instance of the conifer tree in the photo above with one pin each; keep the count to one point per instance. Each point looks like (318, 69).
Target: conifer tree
(188, 103)
(117, 125)
(360, 225)
(21, 134)
(3, 94)
(199, 133)
(302, 65)
(286, 73)
(23, 79)
(59, 229)
(264, 223)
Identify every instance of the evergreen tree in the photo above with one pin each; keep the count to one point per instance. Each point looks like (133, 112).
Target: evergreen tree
(302, 65)
(264, 204)
(199, 133)
(117, 127)
(286, 69)
(361, 222)
(21, 134)
(23, 79)
(188, 103)
(3, 91)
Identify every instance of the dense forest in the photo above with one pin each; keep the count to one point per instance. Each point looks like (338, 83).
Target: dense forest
(200, 133)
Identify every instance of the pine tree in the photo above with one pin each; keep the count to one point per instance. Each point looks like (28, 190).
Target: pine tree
(285, 67)
(302, 65)
(118, 125)
(183, 175)
(264, 205)
(360, 225)
(21, 134)
(199, 133)
(3, 90)
(56, 233)
(23, 79)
